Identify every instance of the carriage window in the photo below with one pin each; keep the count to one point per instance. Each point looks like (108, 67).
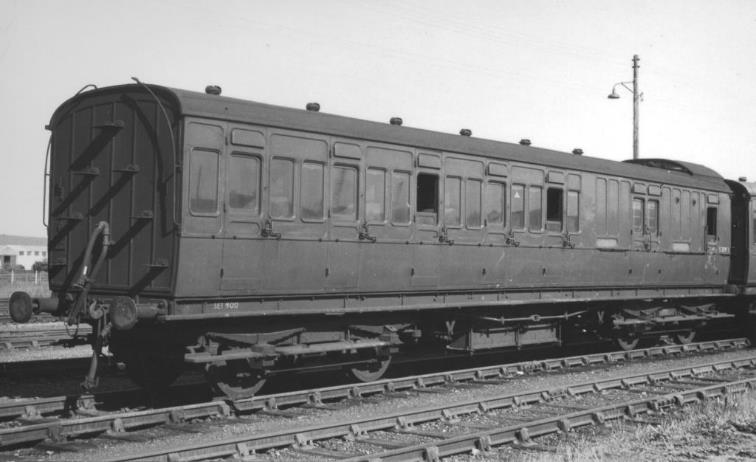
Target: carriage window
(697, 206)
(496, 204)
(685, 214)
(676, 224)
(452, 201)
(638, 212)
(244, 184)
(554, 209)
(427, 199)
(312, 195)
(344, 193)
(375, 195)
(612, 207)
(281, 188)
(472, 204)
(427, 193)
(600, 207)
(535, 208)
(203, 182)
(711, 221)
(400, 198)
(652, 216)
(573, 211)
(518, 206)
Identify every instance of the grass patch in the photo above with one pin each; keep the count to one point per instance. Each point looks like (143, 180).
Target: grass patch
(718, 430)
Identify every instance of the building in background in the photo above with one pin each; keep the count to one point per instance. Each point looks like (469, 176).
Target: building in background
(23, 251)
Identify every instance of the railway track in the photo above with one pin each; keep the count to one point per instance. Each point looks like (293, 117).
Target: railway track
(433, 432)
(4, 316)
(42, 334)
(36, 420)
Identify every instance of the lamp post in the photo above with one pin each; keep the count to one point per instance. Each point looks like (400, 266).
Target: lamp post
(636, 99)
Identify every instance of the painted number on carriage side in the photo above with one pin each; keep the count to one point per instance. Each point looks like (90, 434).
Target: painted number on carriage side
(226, 306)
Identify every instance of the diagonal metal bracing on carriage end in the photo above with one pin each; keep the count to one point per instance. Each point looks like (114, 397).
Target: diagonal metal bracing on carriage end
(357, 429)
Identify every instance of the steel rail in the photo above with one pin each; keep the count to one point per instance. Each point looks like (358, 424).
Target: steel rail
(357, 429)
(4, 315)
(43, 367)
(33, 410)
(35, 338)
(524, 432)
(29, 409)
(479, 374)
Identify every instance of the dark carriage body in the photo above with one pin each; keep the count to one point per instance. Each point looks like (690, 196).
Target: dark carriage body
(112, 159)
(296, 227)
(221, 251)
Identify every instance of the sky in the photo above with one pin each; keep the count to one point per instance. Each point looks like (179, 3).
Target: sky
(506, 69)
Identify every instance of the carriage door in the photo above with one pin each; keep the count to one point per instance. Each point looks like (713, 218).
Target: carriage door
(462, 220)
(429, 234)
(346, 223)
(204, 144)
(387, 219)
(202, 210)
(295, 223)
(740, 209)
(463, 189)
(242, 270)
(645, 210)
(716, 234)
(751, 243)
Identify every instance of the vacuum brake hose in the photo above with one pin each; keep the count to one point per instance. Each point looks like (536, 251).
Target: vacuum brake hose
(84, 281)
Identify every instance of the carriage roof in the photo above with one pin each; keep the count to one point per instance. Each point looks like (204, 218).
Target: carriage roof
(664, 171)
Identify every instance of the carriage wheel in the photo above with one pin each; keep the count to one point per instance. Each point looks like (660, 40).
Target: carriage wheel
(236, 379)
(371, 371)
(151, 370)
(685, 337)
(627, 342)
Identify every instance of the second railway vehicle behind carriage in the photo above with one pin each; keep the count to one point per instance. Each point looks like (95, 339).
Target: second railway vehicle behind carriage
(251, 239)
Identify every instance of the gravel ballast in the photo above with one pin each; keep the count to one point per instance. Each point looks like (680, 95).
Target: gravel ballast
(220, 429)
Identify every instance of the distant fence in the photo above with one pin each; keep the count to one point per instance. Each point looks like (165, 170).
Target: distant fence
(24, 278)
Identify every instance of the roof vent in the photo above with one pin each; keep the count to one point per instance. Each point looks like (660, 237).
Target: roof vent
(465, 132)
(525, 142)
(665, 164)
(213, 90)
(743, 179)
(396, 121)
(577, 151)
(313, 107)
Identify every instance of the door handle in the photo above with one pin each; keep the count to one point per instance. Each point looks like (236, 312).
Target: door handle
(267, 230)
(443, 236)
(363, 232)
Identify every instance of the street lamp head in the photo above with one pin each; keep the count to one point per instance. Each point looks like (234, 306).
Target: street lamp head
(636, 100)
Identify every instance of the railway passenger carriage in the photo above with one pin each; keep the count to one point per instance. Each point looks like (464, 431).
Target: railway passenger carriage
(251, 238)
